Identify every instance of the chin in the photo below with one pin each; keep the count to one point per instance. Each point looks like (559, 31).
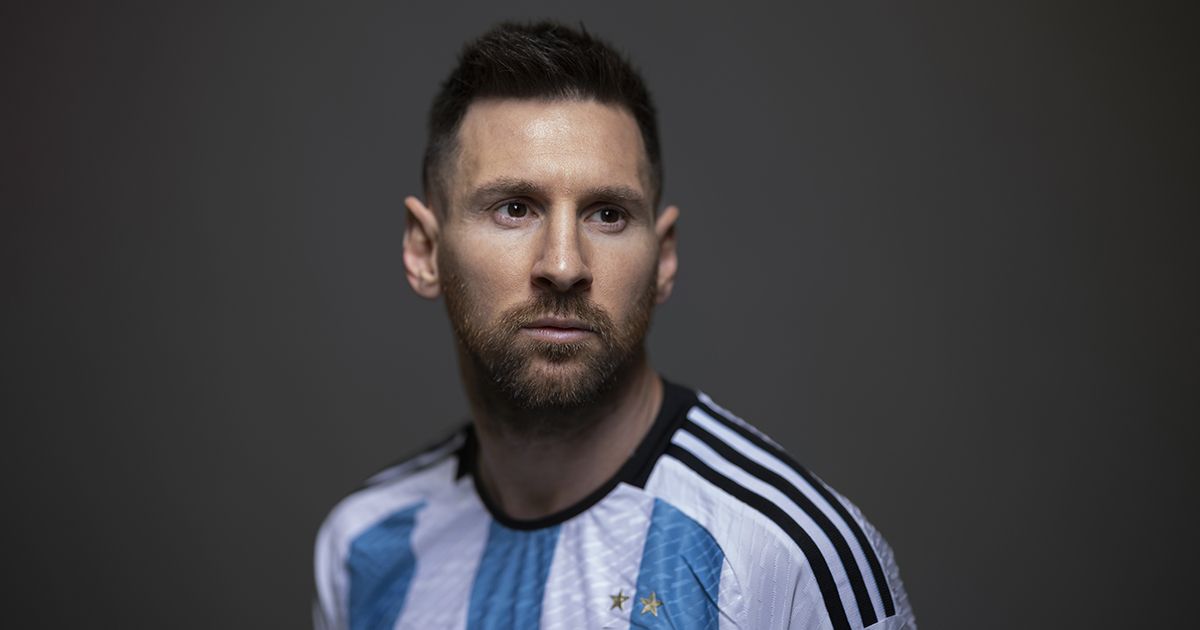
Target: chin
(558, 384)
(547, 378)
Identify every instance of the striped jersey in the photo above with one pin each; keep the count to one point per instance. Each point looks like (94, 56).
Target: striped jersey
(709, 524)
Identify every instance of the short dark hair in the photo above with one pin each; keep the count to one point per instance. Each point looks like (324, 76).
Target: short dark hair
(542, 60)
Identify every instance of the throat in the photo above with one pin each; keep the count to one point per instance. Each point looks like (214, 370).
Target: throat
(530, 476)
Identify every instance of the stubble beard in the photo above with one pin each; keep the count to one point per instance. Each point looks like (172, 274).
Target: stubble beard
(544, 388)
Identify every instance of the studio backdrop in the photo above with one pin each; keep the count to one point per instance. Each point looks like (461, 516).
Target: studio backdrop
(945, 253)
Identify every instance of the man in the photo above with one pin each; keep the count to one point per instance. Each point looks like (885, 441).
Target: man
(587, 492)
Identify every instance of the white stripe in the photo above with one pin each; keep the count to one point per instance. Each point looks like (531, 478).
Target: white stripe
(696, 447)
(597, 556)
(448, 544)
(904, 618)
(772, 463)
(731, 603)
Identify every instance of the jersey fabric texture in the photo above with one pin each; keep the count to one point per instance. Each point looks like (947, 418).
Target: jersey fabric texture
(709, 525)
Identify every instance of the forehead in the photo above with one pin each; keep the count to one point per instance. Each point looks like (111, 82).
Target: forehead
(561, 145)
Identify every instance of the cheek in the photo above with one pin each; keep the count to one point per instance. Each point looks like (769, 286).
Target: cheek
(623, 278)
(494, 274)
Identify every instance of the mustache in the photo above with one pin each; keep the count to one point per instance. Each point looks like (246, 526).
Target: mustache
(565, 305)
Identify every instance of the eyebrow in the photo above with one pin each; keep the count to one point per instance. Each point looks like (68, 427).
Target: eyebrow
(515, 187)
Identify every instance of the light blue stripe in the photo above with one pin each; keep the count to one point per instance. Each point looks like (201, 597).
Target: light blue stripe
(381, 566)
(511, 579)
(681, 567)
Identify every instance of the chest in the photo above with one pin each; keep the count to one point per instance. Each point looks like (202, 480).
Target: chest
(625, 564)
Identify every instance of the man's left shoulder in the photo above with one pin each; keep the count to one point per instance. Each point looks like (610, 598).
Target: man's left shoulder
(784, 531)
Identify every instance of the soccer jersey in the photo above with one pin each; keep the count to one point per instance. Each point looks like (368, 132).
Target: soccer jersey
(708, 525)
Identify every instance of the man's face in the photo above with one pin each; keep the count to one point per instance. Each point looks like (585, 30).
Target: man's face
(548, 252)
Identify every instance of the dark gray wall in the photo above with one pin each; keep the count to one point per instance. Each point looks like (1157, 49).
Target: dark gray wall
(946, 254)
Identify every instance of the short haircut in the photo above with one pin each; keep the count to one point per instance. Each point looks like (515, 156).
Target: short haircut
(543, 60)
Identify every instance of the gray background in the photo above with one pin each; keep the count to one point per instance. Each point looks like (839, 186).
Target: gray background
(945, 254)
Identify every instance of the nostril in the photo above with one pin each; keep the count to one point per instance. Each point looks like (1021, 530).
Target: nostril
(562, 274)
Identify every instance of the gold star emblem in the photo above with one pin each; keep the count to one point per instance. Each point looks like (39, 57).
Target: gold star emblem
(619, 600)
(651, 604)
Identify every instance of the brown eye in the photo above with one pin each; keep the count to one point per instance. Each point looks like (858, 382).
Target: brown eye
(515, 209)
(609, 215)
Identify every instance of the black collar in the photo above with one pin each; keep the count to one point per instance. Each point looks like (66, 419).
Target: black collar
(671, 414)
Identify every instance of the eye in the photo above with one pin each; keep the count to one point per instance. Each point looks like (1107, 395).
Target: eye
(514, 209)
(514, 213)
(608, 215)
(609, 218)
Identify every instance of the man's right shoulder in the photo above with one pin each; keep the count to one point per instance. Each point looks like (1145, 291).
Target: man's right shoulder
(404, 483)
(383, 508)
(447, 448)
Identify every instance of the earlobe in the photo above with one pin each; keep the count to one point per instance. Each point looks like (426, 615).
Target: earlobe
(668, 255)
(420, 248)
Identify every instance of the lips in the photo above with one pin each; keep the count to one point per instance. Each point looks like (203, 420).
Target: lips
(557, 329)
(562, 323)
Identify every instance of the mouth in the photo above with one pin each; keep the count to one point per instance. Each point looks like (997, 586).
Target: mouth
(557, 329)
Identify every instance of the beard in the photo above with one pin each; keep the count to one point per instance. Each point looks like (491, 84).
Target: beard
(533, 385)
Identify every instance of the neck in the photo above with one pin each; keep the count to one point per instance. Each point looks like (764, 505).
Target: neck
(533, 475)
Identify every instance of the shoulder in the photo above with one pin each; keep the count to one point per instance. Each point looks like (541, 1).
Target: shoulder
(790, 539)
(400, 485)
(389, 499)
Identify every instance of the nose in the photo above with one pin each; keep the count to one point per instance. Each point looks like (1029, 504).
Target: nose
(562, 262)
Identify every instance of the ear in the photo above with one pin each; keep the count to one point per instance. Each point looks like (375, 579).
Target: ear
(420, 248)
(668, 255)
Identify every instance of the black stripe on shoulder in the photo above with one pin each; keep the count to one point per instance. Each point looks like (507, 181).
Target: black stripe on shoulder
(465, 453)
(859, 586)
(885, 593)
(825, 582)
